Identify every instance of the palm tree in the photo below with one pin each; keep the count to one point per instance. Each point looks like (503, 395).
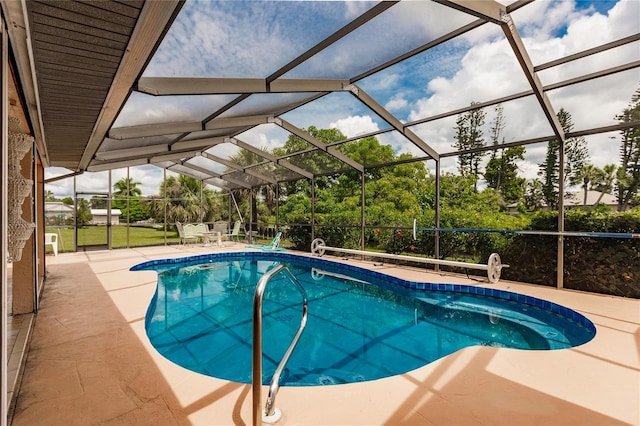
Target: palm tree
(245, 158)
(49, 196)
(605, 180)
(183, 197)
(126, 188)
(583, 176)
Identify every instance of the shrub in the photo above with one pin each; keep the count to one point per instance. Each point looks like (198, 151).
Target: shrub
(596, 264)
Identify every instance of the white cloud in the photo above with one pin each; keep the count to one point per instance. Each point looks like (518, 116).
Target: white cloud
(235, 46)
(354, 125)
(149, 179)
(396, 103)
(489, 70)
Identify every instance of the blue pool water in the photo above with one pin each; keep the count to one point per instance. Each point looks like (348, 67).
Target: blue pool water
(362, 325)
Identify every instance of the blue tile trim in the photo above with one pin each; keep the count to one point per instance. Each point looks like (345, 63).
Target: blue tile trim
(316, 262)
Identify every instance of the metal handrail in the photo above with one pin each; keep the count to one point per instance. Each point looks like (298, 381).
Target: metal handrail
(257, 346)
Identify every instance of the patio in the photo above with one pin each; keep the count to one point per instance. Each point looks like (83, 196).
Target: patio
(90, 362)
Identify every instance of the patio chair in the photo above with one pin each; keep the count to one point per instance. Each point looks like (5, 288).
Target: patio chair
(52, 240)
(273, 246)
(185, 232)
(200, 229)
(235, 232)
(221, 226)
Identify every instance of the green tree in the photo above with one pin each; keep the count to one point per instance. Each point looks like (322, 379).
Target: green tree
(587, 174)
(501, 171)
(99, 202)
(84, 212)
(468, 137)
(629, 170)
(154, 207)
(49, 196)
(247, 198)
(576, 156)
(183, 201)
(501, 174)
(534, 195)
(605, 180)
(125, 190)
(549, 172)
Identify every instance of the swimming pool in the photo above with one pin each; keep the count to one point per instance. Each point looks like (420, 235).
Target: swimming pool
(362, 325)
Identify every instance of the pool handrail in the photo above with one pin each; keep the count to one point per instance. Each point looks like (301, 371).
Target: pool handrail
(493, 266)
(270, 414)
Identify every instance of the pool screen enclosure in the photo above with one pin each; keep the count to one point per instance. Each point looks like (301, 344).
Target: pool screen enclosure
(191, 87)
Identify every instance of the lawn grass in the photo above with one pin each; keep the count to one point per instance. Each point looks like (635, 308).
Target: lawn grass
(95, 235)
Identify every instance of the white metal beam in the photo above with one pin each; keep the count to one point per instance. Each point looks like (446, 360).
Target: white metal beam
(170, 86)
(216, 184)
(203, 143)
(489, 10)
(209, 173)
(239, 168)
(111, 165)
(512, 35)
(140, 151)
(392, 120)
(173, 156)
(232, 122)
(147, 130)
(270, 157)
(318, 144)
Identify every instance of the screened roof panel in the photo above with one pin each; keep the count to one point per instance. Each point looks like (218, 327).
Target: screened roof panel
(338, 109)
(240, 177)
(118, 144)
(523, 120)
(143, 109)
(205, 134)
(188, 171)
(236, 154)
(412, 66)
(277, 171)
(267, 103)
(403, 27)
(400, 86)
(400, 145)
(218, 183)
(577, 33)
(273, 139)
(246, 38)
(266, 137)
(614, 58)
(317, 162)
(611, 93)
(207, 164)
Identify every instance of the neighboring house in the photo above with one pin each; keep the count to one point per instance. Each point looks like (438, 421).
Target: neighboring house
(57, 210)
(100, 216)
(575, 200)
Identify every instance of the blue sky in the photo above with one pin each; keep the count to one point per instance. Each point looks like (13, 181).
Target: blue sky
(254, 39)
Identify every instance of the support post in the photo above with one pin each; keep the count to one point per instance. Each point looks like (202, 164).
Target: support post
(437, 234)
(313, 208)
(362, 212)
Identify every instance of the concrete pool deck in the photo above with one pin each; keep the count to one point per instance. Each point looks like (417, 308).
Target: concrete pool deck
(90, 363)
